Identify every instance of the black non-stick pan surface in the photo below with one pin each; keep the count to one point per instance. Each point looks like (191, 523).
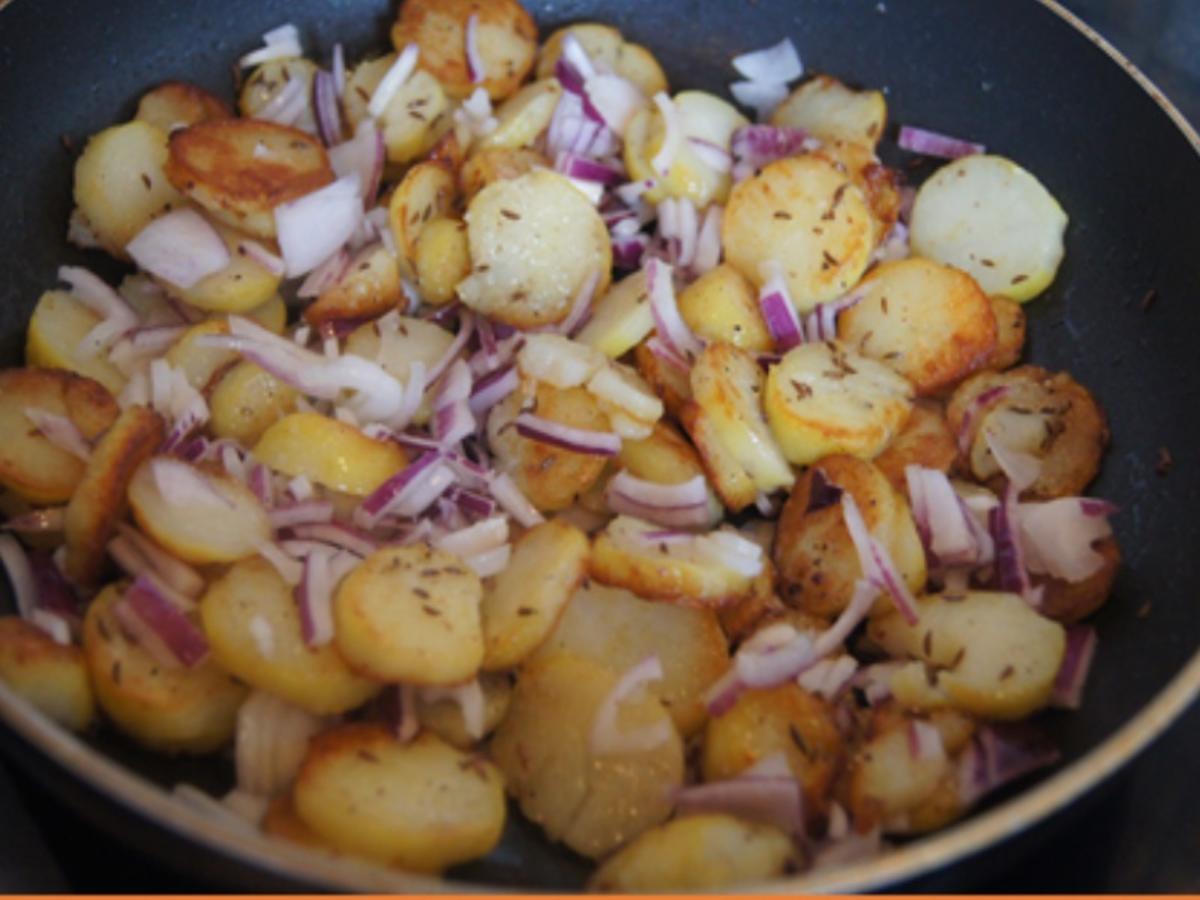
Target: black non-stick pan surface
(1122, 317)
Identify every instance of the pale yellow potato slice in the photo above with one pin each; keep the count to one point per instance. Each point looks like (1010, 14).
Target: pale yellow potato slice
(422, 806)
(994, 220)
(120, 182)
(442, 258)
(410, 120)
(246, 401)
(411, 614)
(831, 111)
(990, 654)
(524, 115)
(198, 362)
(213, 517)
(30, 464)
(826, 398)
(173, 710)
(806, 216)
(329, 453)
(721, 305)
(535, 240)
(427, 192)
(178, 104)
(621, 318)
(239, 170)
(617, 629)
(523, 603)
(707, 852)
(314, 678)
(592, 803)
(57, 328)
(51, 676)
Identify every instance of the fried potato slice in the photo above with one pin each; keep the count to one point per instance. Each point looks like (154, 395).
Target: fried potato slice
(239, 170)
(51, 676)
(721, 305)
(445, 717)
(174, 710)
(370, 287)
(268, 80)
(252, 622)
(617, 629)
(200, 515)
(200, 363)
(831, 111)
(806, 216)
(707, 852)
(246, 401)
(607, 47)
(243, 285)
(57, 329)
(99, 500)
(441, 259)
(929, 322)
(621, 317)
(121, 183)
(427, 192)
(924, 440)
(421, 805)
(523, 603)
(412, 120)
(591, 802)
(1010, 332)
(524, 115)
(411, 614)
(30, 464)
(506, 37)
(178, 104)
(328, 452)
(551, 477)
(535, 240)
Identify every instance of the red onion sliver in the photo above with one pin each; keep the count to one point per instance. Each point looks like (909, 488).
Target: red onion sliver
(20, 574)
(1011, 571)
(998, 755)
(1076, 664)
(606, 736)
(325, 108)
(289, 570)
(924, 740)
(314, 595)
(777, 801)
(343, 537)
(38, 521)
(1021, 469)
(307, 512)
(338, 68)
(712, 155)
(668, 321)
(876, 562)
(617, 100)
(515, 503)
(178, 574)
(1058, 537)
(286, 105)
(930, 143)
(779, 314)
(393, 80)
(185, 641)
(576, 440)
(982, 402)
(493, 388)
(363, 155)
(61, 432)
(469, 699)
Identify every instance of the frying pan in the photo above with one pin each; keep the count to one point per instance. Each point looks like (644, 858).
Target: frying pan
(1022, 77)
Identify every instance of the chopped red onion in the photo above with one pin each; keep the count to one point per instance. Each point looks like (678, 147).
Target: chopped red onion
(673, 506)
(1021, 469)
(393, 80)
(51, 624)
(475, 67)
(338, 68)
(185, 641)
(314, 595)
(409, 492)
(270, 742)
(755, 146)
(1077, 663)
(577, 440)
(712, 155)
(761, 96)
(176, 573)
(607, 737)
(950, 532)
(829, 677)
(183, 485)
(668, 321)
(305, 512)
(628, 252)
(363, 155)
(1011, 571)
(260, 484)
(515, 503)
(471, 502)
(116, 316)
(137, 631)
(581, 306)
(877, 565)
(335, 534)
(61, 432)
(673, 135)
(475, 539)
(1058, 538)
(875, 681)
(779, 313)
(585, 169)
(821, 323)
(779, 63)
(313, 227)
(180, 247)
(774, 800)
(930, 143)
(280, 43)
(616, 100)
(466, 327)
(924, 740)
(289, 570)
(493, 388)
(982, 402)
(452, 416)
(631, 193)
(668, 354)
(325, 108)
(708, 241)
(998, 755)
(575, 56)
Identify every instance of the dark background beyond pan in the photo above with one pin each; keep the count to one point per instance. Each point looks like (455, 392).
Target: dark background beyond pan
(1010, 74)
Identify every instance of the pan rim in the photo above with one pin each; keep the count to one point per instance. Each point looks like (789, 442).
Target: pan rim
(954, 844)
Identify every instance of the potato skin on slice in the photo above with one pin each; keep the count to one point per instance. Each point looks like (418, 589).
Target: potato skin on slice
(222, 166)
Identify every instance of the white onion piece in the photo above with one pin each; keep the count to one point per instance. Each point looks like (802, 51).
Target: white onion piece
(1021, 469)
(180, 247)
(712, 155)
(363, 155)
(20, 574)
(761, 96)
(116, 315)
(925, 741)
(338, 69)
(708, 241)
(829, 677)
(52, 624)
(393, 80)
(475, 67)
(607, 737)
(980, 404)
(183, 485)
(617, 99)
(280, 43)
(144, 636)
(309, 512)
(673, 134)
(580, 306)
(470, 701)
(475, 114)
(270, 743)
(516, 504)
(668, 321)
(261, 255)
(284, 107)
(289, 569)
(178, 574)
(574, 54)
(338, 536)
(408, 493)
(773, 799)
(930, 143)
(876, 562)
(481, 537)
(61, 432)
(491, 562)
(1058, 538)
(779, 63)
(672, 506)
(313, 227)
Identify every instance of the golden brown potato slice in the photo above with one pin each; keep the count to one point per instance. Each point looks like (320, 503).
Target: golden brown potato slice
(721, 305)
(617, 629)
(178, 104)
(370, 287)
(591, 802)
(176, 710)
(329, 453)
(243, 285)
(818, 563)
(805, 215)
(421, 805)
(411, 614)
(703, 853)
(99, 500)
(414, 116)
(441, 259)
(30, 465)
(268, 81)
(549, 476)
(506, 37)
(200, 363)
(728, 477)
(1010, 332)
(887, 781)
(241, 169)
(1048, 415)
(831, 111)
(427, 192)
(51, 676)
(314, 678)
(929, 322)
(523, 602)
(925, 440)
(1070, 601)
(281, 821)
(488, 164)
(788, 720)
